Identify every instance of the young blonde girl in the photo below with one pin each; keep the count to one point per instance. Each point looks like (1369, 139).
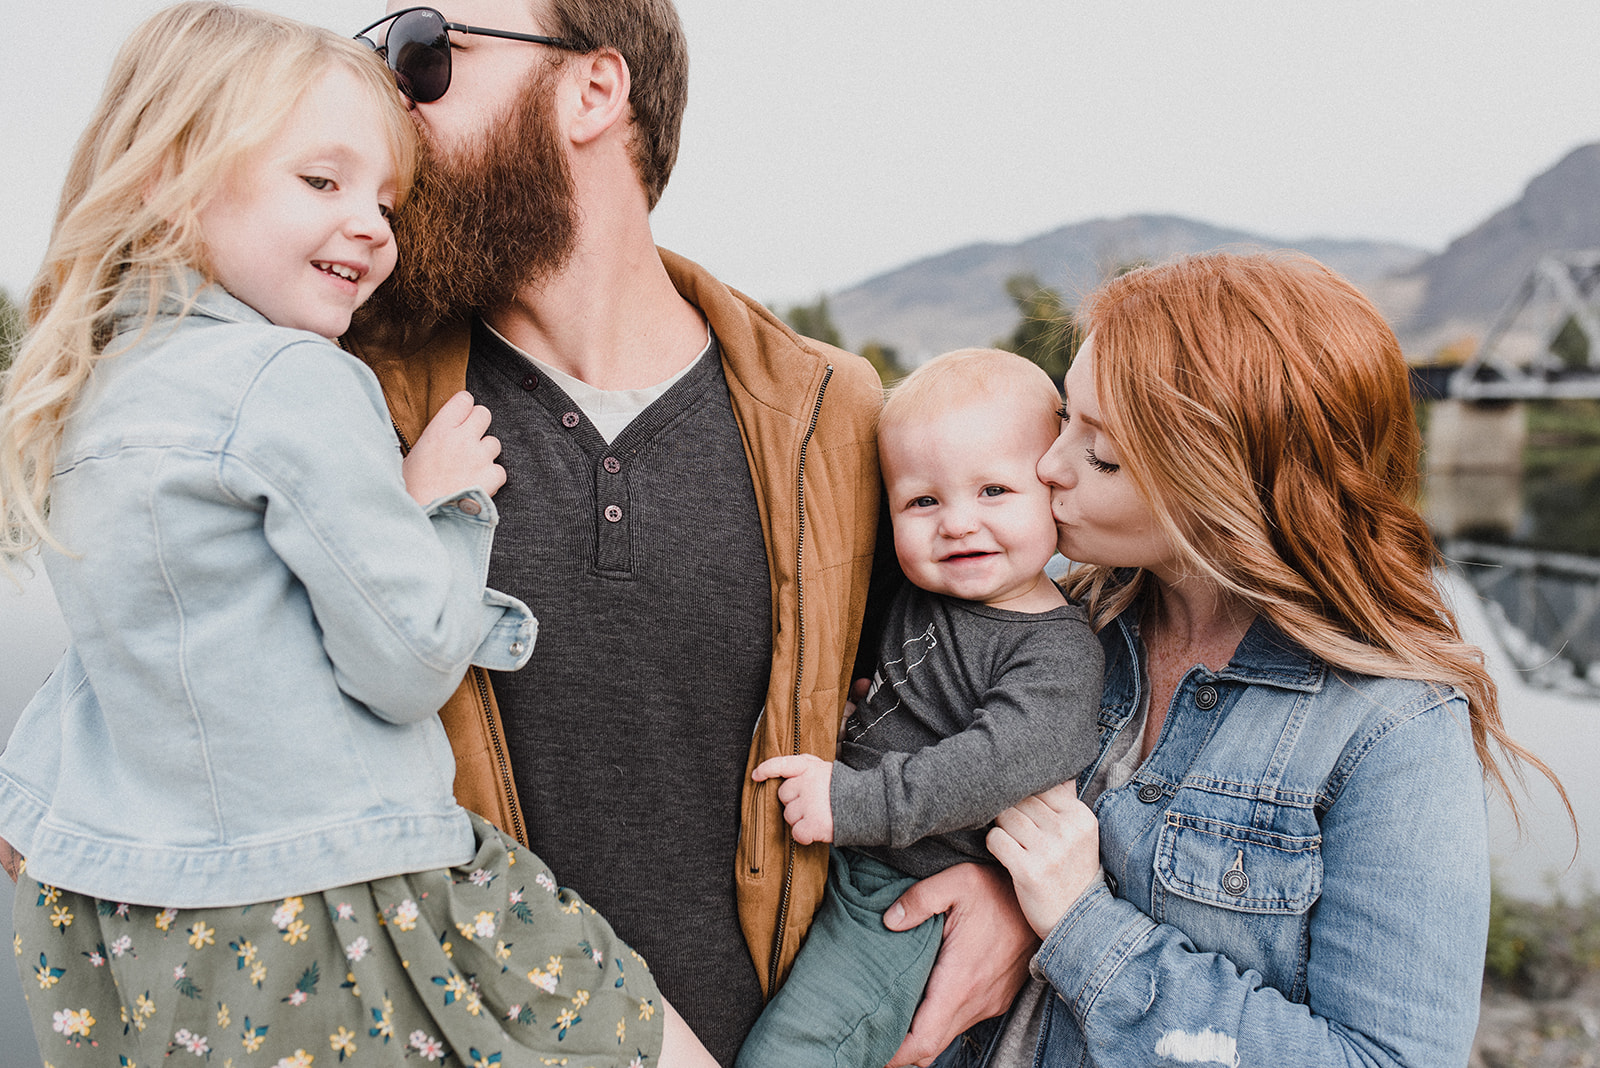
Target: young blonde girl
(233, 793)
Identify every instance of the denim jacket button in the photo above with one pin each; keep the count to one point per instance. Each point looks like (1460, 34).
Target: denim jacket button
(1206, 698)
(516, 648)
(1235, 882)
(469, 506)
(1149, 793)
(1111, 883)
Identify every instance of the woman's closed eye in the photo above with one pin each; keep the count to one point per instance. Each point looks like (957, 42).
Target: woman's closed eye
(1103, 466)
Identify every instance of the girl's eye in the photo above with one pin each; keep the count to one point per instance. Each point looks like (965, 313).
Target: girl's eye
(1099, 464)
(317, 182)
(994, 491)
(387, 211)
(923, 502)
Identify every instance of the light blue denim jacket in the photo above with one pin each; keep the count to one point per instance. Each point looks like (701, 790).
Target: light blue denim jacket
(263, 625)
(1298, 874)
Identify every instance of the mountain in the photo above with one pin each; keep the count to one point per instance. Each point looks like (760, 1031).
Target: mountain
(1464, 288)
(958, 298)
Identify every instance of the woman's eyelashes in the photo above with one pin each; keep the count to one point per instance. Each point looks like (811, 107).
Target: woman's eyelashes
(1103, 466)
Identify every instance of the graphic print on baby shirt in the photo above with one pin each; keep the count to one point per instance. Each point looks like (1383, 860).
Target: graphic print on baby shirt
(896, 673)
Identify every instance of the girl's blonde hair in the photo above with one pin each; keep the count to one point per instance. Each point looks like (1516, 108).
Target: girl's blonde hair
(1262, 407)
(194, 91)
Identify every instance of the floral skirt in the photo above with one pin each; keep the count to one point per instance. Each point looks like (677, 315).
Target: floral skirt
(488, 964)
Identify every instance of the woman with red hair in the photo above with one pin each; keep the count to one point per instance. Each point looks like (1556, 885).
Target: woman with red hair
(1286, 861)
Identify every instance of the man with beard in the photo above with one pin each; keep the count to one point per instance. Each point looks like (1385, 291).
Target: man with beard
(690, 508)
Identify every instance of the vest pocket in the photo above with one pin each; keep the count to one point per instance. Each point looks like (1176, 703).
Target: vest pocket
(1239, 868)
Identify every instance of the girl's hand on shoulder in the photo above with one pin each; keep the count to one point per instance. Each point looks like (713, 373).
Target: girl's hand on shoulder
(1050, 843)
(454, 453)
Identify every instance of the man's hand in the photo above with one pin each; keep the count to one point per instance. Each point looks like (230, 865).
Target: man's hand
(1050, 843)
(10, 860)
(453, 453)
(983, 960)
(807, 807)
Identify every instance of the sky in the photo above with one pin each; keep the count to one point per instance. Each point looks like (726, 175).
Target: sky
(827, 141)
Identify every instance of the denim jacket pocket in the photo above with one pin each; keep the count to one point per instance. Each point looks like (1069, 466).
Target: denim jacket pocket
(1238, 868)
(1241, 891)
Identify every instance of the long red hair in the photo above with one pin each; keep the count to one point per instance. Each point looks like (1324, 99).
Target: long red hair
(1262, 406)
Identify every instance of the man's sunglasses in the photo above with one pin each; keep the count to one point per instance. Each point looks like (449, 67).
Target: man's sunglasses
(417, 49)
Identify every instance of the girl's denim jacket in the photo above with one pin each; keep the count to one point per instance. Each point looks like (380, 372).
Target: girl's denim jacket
(1298, 874)
(263, 624)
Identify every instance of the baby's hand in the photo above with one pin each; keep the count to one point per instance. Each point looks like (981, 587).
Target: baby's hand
(804, 793)
(454, 453)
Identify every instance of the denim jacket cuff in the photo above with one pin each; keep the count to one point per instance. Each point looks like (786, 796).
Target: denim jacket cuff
(1089, 945)
(511, 633)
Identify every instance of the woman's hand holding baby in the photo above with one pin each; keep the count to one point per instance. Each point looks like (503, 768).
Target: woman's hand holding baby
(807, 806)
(1050, 843)
(454, 453)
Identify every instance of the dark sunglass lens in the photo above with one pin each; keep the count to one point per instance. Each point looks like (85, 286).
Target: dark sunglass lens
(419, 55)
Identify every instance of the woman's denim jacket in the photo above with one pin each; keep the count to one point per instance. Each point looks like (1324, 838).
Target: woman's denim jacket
(1298, 874)
(263, 626)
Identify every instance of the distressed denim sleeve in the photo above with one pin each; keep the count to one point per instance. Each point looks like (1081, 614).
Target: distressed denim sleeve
(398, 593)
(1395, 960)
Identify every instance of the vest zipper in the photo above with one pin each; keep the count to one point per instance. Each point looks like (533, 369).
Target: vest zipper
(799, 673)
(480, 677)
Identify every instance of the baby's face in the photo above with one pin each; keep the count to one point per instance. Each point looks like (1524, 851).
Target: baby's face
(971, 518)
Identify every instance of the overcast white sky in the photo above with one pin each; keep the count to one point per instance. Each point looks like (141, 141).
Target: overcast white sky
(828, 140)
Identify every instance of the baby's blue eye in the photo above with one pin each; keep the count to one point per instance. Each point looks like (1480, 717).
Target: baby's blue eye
(317, 182)
(994, 491)
(923, 502)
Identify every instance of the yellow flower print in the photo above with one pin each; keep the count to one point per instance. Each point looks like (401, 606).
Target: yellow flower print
(258, 973)
(252, 1041)
(466, 930)
(73, 1023)
(224, 1017)
(16, 944)
(48, 895)
(164, 919)
(564, 1021)
(143, 1006)
(285, 913)
(298, 931)
(581, 998)
(301, 1059)
(201, 936)
(554, 967)
(622, 1031)
(343, 1042)
(61, 917)
(502, 951)
(572, 907)
(543, 980)
(647, 1009)
(246, 951)
(405, 915)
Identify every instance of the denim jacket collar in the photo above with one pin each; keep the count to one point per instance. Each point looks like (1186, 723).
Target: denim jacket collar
(1265, 656)
(187, 293)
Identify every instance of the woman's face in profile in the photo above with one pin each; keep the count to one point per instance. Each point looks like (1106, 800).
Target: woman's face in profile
(1100, 516)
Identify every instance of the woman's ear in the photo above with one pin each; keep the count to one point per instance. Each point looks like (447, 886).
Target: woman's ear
(601, 83)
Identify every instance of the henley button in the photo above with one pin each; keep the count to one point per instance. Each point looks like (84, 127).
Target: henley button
(569, 420)
(613, 514)
(613, 465)
(1149, 793)
(1206, 698)
(530, 382)
(469, 506)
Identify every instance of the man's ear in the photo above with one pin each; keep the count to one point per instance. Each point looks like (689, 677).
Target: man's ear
(601, 82)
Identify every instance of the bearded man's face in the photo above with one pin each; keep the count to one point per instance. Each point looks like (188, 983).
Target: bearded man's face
(483, 221)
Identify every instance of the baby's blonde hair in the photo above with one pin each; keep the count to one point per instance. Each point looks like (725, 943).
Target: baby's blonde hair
(961, 377)
(194, 91)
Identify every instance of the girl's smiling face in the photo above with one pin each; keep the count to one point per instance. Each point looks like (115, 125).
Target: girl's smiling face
(1101, 517)
(301, 231)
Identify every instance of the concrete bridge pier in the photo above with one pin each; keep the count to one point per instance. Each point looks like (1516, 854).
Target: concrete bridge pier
(1472, 463)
